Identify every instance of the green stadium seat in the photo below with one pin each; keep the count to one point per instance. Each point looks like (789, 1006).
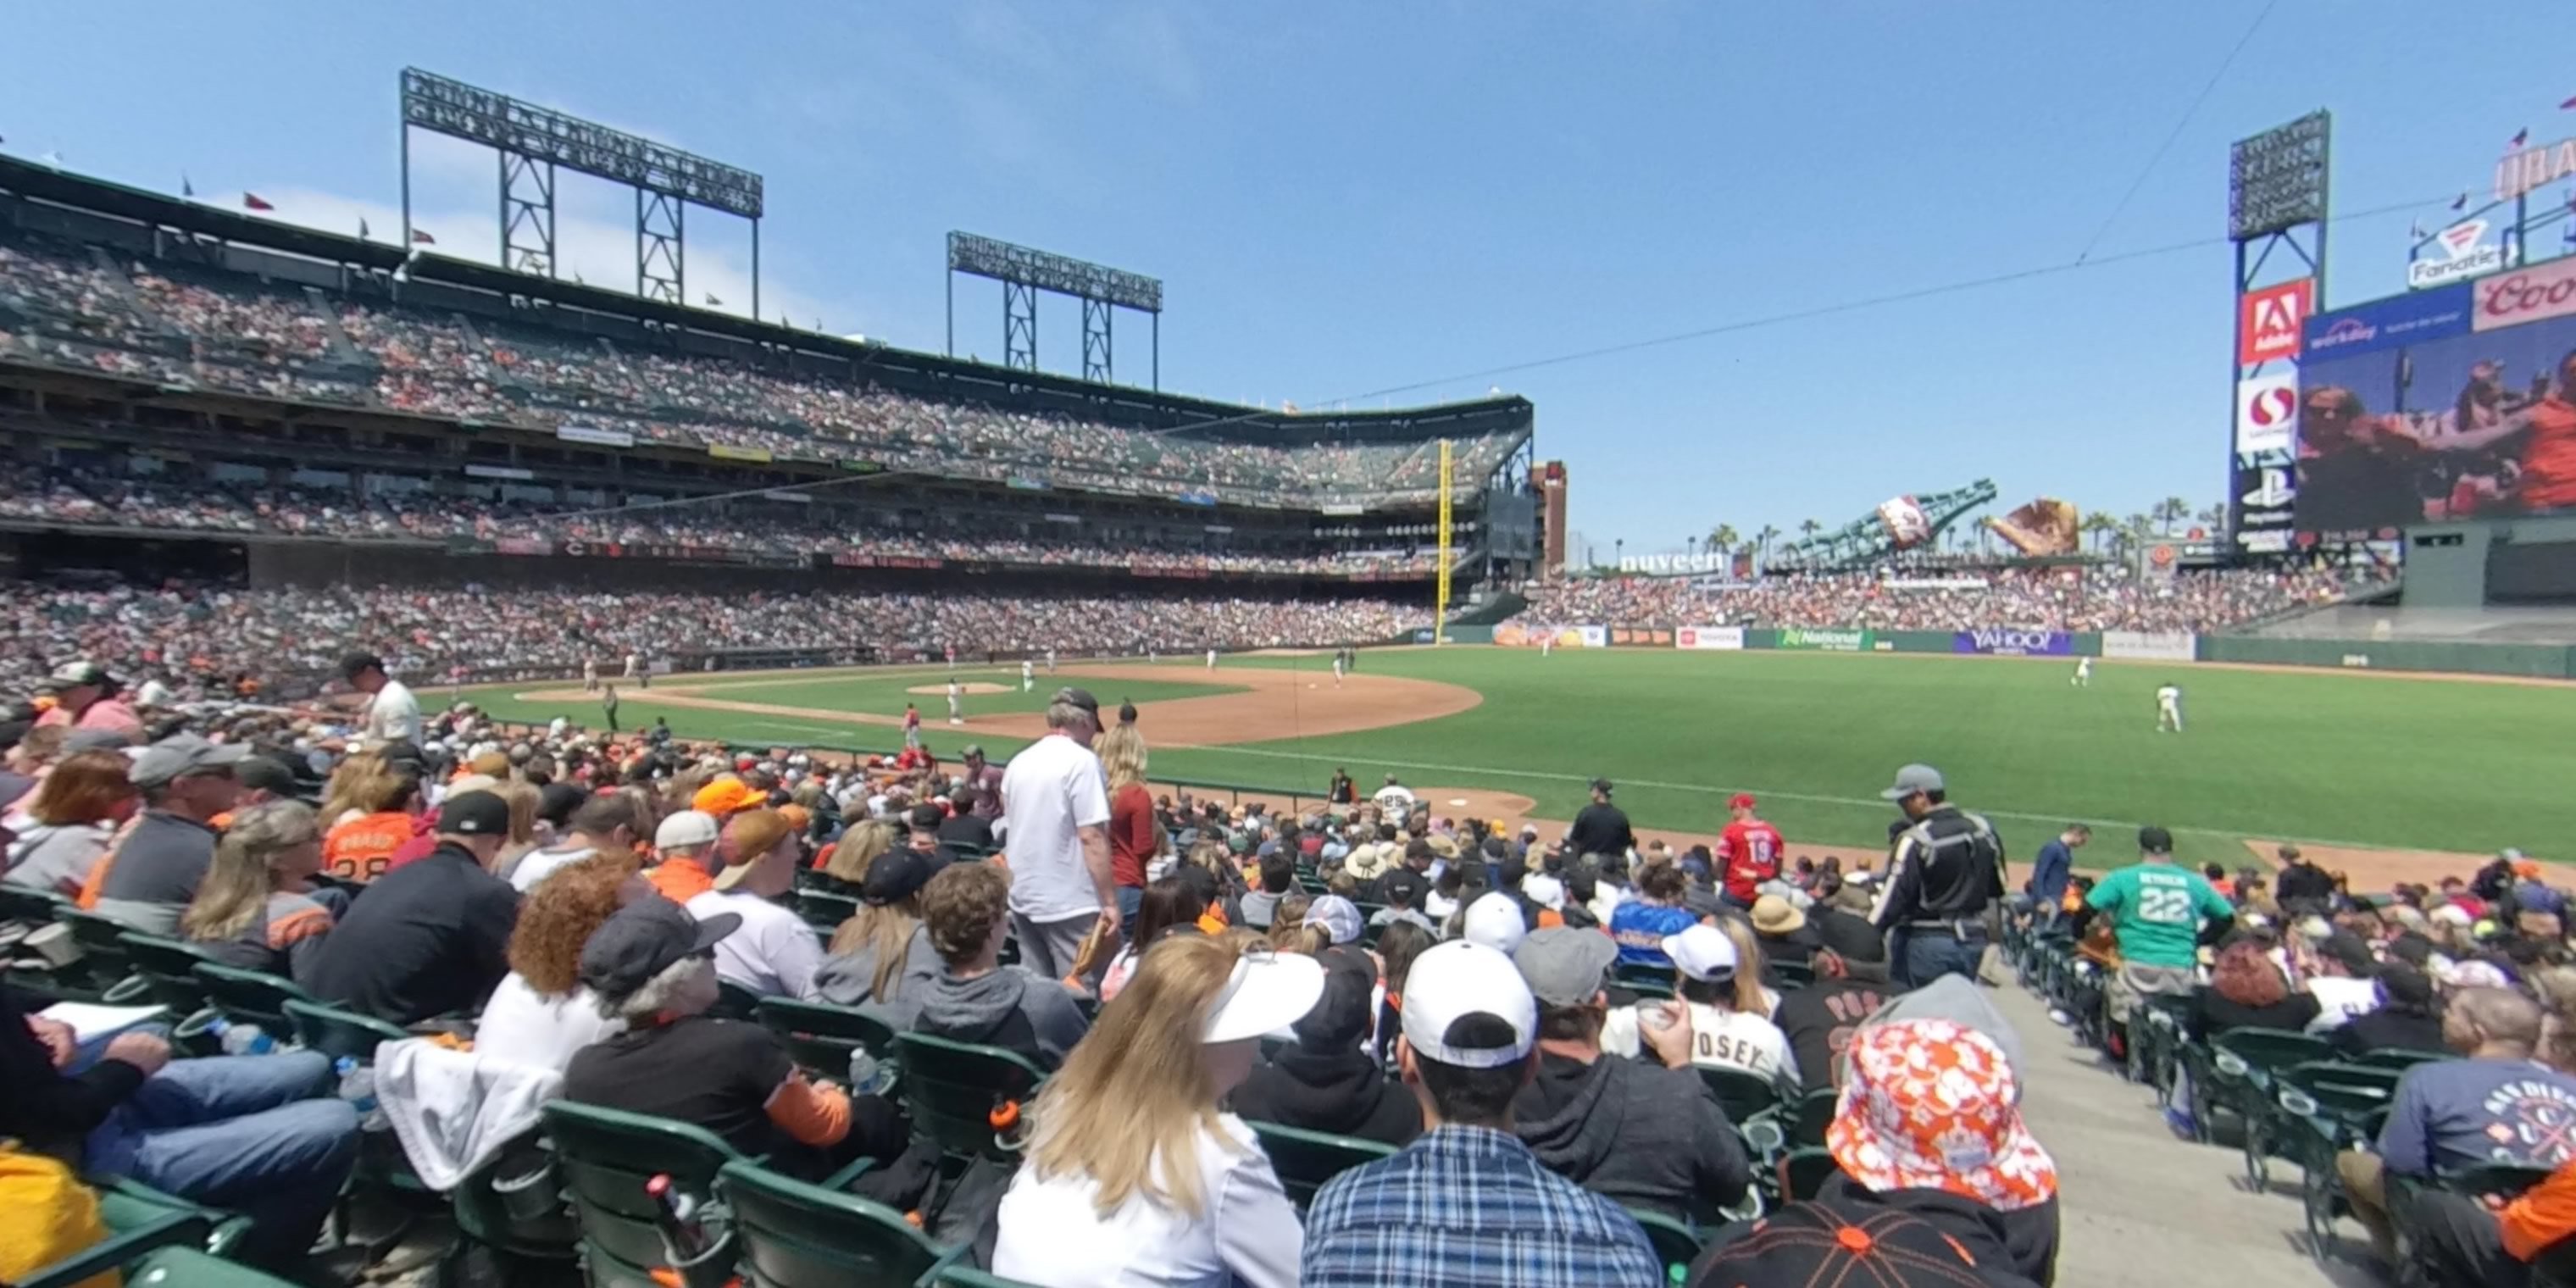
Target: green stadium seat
(513, 1209)
(103, 956)
(1803, 1172)
(1676, 1244)
(825, 910)
(605, 1156)
(169, 970)
(2243, 1064)
(177, 1267)
(734, 1002)
(1304, 1160)
(340, 1034)
(954, 1092)
(1744, 1096)
(820, 1037)
(250, 997)
(965, 1276)
(790, 1234)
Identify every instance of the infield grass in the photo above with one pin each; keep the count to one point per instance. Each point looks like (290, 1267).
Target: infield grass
(2316, 756)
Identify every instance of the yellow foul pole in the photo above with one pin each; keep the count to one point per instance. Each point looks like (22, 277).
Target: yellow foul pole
(1440, 611)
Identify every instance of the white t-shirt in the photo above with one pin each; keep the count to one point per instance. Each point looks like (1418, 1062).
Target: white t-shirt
(2168, 696)
(1719, 1039)
(393, 715)
(1394, 798)
(1052, 1233)
(773, 953)
(539, 864)
(522, 1026)
(1050, 790)
(2339, 998)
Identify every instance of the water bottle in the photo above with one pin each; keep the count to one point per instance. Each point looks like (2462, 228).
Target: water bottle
(358, 1087)
(675, 1214)
(867, 1076)
(241, 1039)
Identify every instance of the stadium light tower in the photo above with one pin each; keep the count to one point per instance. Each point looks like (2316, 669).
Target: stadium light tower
(534, 141)
(1024, 272)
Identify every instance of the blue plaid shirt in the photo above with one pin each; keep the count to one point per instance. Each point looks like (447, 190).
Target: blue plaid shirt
(1470, 1207)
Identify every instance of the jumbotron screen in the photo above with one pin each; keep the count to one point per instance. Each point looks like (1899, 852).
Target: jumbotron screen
(2457, 402)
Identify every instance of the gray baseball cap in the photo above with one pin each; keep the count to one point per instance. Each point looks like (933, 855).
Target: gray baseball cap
(1564, 966)
(1912, 779)
(643, 939)
(180, 755)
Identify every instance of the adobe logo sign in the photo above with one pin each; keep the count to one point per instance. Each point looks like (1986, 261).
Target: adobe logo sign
(2527, 295)
(2269, 321)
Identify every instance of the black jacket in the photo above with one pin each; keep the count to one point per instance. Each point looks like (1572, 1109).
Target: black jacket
(429, 938)
(2212, 1014)
(2386, 1030)
(1947, 868)
(42, 1106)
(1638, 1134)
(1599, 829)
(1342, 1092)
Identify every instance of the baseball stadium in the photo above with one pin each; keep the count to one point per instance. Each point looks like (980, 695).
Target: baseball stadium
(782, 698)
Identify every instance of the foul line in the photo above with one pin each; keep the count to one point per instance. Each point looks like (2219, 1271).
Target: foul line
(1808, 797)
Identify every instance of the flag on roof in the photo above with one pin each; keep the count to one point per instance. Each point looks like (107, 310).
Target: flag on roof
(421, 237)
(2460, 202)
(2568, 106)
(2521, 136)
(254, 201)
(713, 302)
(186, 189)
(362, 228)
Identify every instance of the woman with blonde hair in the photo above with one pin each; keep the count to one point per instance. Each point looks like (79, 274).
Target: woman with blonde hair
(354, 785)
(1135, 838)
(255, 909)
(857, 849)
(882, 958)
(1750, 996)
(541, 1012)
(523, 798)
(1134, 1173)
(75, 813)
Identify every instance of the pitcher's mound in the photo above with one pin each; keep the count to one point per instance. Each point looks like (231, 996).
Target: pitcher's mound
(941, 690)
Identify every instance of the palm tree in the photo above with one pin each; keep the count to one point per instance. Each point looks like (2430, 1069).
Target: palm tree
(2101, 527)
(1762, 540)
(2137, 530)
(2176, 510)
(1808, 528)
(1724, 539)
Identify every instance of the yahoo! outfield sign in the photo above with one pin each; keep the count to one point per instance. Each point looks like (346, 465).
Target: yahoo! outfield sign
(2010, 641)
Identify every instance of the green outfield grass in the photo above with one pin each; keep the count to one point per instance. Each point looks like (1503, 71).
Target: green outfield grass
(2322, 756)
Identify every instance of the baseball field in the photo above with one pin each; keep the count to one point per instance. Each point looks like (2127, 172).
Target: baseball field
(2381, 775)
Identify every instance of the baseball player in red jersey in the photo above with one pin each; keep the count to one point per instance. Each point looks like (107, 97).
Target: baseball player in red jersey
(1751, 851)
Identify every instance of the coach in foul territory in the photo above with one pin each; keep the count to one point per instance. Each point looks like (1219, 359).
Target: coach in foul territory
(1946, 872)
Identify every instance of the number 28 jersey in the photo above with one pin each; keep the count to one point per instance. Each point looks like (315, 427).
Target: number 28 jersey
(2156, 910)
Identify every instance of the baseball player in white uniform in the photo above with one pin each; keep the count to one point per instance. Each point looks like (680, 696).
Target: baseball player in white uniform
(1211, 659)
(590, 675)
(956, 701)
(2169, 709)
(2083, 678)
(1337, 670)
(1050, 661)
(1028, 675)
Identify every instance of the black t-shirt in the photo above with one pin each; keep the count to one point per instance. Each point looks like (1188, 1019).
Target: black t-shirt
(711, 1073)
(1853, 938)
(2214, 1014)
(967, 829)
(2303, 880)
(1600, 829)
(2387, 1030)
(427, 938)
(1819, 1021)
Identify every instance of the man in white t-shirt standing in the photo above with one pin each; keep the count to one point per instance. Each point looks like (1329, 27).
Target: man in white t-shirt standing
(393, 714)
(1055, 810)
(1395, 798)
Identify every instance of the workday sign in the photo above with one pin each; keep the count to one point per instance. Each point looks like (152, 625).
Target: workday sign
(2010, 641)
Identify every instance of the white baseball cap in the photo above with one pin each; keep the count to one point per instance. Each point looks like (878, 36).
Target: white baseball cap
(686, 828)
(1452, 981)
(1339, 917)
(1494, 921)
(1267, 993)
(1702, 952)
(1545, 891)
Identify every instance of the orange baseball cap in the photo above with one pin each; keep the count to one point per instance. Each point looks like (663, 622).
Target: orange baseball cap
(727, 796)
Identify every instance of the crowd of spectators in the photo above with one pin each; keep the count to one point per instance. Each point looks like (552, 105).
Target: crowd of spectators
(197, 505)
(2047, 599)
(203, 641)
(73, 305)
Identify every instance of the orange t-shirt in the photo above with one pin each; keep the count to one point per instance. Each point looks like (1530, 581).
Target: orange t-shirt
(2545, 1214)
(360, 849)
(2549, 460)
(680, 880)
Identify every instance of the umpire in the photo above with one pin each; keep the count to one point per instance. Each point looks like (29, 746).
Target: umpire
(1947, 871)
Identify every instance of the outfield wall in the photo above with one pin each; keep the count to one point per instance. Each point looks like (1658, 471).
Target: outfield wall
(2534, 661)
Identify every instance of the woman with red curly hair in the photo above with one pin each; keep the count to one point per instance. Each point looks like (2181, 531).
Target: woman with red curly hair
(2248, 991)
(541, 1013)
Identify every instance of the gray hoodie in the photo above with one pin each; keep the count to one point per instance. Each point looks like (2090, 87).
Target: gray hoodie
(849, 979)
(1008, 1008)
(1643, 1135)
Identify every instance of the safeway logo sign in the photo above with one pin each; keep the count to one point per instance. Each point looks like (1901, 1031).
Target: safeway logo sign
(2270, 321)
(2460, 252)
(2267, 410)
(2526, 295)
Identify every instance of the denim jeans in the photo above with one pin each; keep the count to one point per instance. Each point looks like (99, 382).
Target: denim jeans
(243, 1133)
(1924, 954)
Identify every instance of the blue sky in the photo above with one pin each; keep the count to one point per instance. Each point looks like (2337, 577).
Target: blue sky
(1348, 197)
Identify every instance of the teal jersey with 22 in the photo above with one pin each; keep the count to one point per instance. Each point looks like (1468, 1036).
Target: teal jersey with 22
(2156, 909)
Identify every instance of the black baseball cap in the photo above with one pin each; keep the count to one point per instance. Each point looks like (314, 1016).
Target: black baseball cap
(1601, 785)
(355, 663)
(643, 939)
(926, 817)
(897, 874)
(1831, 1242)
(1079, 697)
(1404, 886)
(2154, 840)
(267, 774)
(557, 801)
(1340, 1018)
(474, 814)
